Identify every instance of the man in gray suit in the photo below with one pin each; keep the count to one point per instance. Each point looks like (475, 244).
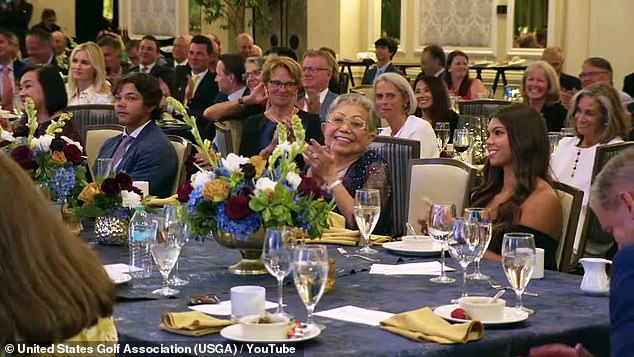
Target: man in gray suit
(142, 150)
(319, 67)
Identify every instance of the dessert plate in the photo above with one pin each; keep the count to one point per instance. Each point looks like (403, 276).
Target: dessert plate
(119, 278)
(511, 315)
(234, 333)
(397, 248)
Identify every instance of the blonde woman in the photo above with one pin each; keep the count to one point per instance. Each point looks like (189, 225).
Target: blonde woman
(87, 83)
(540, 89)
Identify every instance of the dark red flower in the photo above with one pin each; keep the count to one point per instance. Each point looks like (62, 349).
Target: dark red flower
(246, 191)
(20, 130)
(237, 208)
(73, 154)
(184, 190)
(23, 155)
(248, 170)
(57, 144)
(4, 143)
(110, 187)
(124, 180)
(309, 185)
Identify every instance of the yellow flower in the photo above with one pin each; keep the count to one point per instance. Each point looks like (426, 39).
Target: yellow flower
(216, 190)
(58, 157)
(259, 164)
(87, 195)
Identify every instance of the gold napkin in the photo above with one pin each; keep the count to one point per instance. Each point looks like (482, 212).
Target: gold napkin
(338, 234)
(192, 323)
(160, 202)
(424, 325)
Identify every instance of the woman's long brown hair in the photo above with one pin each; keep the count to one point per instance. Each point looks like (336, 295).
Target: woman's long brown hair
(53, 284)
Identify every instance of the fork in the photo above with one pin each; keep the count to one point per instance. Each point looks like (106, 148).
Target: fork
(348, 255)
(495, 285)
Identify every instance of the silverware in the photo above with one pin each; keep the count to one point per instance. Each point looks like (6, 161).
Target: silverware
(348, 255)
(495, 285)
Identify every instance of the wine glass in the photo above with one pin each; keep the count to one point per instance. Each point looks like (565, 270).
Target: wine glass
(442, 135)
(440, 227)
(175, 224)
(104, 167)
(277, 255)
(463, 248)
(367, 209)
(461, 141)
(310, 273)
(165, 253)
(479, 220)
(518, 262)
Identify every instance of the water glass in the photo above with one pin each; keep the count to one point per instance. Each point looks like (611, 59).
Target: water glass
(277, 255)
(310, 273)
(454, 100)
(440, 226)
(367, 210)
(165, 254)
(518, 262)
(463, 248)
(104, 167)
(553, 140)
(442, 135)
(480, 222)
(176, 227)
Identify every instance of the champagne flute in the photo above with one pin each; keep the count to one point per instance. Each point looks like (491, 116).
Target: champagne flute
(480, 221)
(463, 248)
(461, 141)
(367, 210)
(165, 254)
(176, 226)
(518, 262)
(277, 255)
(440, 227)
(310, 273)
(442, 135)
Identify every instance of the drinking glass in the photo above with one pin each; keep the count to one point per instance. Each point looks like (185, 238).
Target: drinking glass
(103, 167)
(480, 222)
(175, 225)
(463, 248)
(440, 227)
(277, 255)
(367, 209)
(461, 141)
(454, 100)
(568, 132)
(165, 254)
(442, 135)
(518, 262)
(553, 140)
(310, 273)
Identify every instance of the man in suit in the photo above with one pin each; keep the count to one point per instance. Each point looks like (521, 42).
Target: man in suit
(230, 78)
(385, 49)
(599, 70)
(244, 44)
(568, 84)
(10, 69)
(196, 85)
(115, 67)
(39, 47)
(319, 68)
(60, 48)
(149, 57)
(180, 51)
(432, 61)
(143, 151)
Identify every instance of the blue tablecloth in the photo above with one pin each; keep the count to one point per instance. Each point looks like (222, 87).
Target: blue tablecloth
(563, 312)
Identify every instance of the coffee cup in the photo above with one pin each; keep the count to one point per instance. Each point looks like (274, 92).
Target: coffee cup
(417, 242)
(247, 300)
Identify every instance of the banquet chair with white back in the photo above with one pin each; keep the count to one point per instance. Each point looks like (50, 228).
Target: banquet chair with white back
(571, 200)
(183, 150)
(439, 180)
(96, 135)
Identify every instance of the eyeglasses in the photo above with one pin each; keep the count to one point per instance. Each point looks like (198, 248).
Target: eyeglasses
(591, 74)
(353, 123)
(279, 84)
(315, 69)
(255, 73)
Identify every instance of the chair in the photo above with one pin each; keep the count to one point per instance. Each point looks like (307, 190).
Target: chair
(594, 241)
(91, 114)
(341, 86)
(397, 152)
(223, 139)
(183, 150)
(571, 200)
(440, 180)
(481, 107)
(96, 135)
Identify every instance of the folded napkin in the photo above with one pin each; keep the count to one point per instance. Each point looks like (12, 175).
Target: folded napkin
(423, 268)
(160, 202)
(192, 323)
(338, 234)
(424, 325)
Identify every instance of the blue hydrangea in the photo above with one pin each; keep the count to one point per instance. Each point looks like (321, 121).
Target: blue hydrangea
(222, 171)
(194, 198)
(62, 181)
(242, 228)
(121, 213)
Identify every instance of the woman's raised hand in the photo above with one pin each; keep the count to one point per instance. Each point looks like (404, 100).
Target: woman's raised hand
(321, 161)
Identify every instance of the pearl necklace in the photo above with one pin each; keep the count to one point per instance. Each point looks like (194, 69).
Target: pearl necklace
(574, 165)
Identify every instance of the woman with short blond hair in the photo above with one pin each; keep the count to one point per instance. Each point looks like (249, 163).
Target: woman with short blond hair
(540, 89)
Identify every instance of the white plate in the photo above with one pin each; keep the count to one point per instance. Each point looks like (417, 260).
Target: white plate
(234, 333)
(397, 248)
(119, 278)
(511, 315)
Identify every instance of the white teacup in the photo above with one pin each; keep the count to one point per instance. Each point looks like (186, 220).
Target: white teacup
(480, 308)
(417, 242)
(247, 300)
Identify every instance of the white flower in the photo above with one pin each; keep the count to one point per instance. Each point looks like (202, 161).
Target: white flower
(130, 199)
(293, 179)
(72, 142)
(43, 143)
(201, 178)
(264, 183)
(233, 162)
(285, 145)
(5, 135)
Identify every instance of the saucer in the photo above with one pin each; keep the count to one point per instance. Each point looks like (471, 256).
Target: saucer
(397, 248)
(119, 278)
(511, 315)
(234, 333)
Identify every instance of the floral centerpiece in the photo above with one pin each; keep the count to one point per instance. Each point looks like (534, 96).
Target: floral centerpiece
(237, 198)
(56, 163)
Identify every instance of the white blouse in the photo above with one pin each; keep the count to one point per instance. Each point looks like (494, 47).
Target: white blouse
(416, 128)
(89, 96)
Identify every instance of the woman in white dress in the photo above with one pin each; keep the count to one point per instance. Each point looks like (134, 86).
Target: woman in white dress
(395, 102)
(87, 83)
(598, 118)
